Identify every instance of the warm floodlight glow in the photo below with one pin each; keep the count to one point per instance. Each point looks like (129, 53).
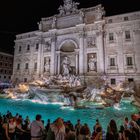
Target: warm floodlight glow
(23, 88)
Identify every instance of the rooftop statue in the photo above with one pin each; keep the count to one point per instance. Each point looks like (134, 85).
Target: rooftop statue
(100, 12)
(68, 7)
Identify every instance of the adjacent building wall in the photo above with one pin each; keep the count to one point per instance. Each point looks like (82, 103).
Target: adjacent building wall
(6, 67)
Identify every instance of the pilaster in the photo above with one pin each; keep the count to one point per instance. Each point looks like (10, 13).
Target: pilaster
(81, 53)
(52, 64)
(58, 62)
(120, 51)
(80, 28)
(100, 56)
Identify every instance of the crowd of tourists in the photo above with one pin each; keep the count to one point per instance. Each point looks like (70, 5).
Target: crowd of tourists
(14, 127)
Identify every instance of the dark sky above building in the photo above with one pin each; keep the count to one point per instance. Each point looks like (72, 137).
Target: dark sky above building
(19, 16)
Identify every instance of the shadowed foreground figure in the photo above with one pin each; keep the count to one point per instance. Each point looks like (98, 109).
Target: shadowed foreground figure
(37, 129)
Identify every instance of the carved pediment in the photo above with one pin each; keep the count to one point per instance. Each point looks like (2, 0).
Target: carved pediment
(18, 60)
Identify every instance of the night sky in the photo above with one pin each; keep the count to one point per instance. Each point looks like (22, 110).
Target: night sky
(19, 16)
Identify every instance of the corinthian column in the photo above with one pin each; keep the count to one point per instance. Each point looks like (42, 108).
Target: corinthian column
(59, 63)
(52, 65)
(81, 53)
(39, 58)
(76, 60)
(76, 63)
(100, 56)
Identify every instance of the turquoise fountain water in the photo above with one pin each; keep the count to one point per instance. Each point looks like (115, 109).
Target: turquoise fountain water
(52, 111)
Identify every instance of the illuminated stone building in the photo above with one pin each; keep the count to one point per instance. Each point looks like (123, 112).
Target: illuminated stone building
(6, 67)
(95, 45)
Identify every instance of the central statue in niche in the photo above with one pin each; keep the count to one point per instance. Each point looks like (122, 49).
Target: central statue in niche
(66, 68)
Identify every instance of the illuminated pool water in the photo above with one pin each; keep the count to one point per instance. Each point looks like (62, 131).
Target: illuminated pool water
(52, 111)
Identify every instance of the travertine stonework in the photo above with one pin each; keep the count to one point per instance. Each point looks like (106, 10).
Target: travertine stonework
(80, 35)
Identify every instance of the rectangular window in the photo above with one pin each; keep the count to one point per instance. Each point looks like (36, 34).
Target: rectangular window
(19, 49)
(1, 71)
(37, 46)
(35, 66)
(130, 80)
(25, 79)
(125, 18)
(113, 81)
(28, 47)
(127, 35)
(112, 61)
(111, 37)
(26, 66)
(18, 66)
(129, 61)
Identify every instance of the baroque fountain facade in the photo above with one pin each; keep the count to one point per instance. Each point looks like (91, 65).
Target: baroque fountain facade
(74, 48)
(93, 44)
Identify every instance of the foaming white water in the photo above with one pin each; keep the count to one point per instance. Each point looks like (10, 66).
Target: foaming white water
(67, 107)
(16, 99)
(57, 103)
(117, 106)
(39, 102)
(45, 102)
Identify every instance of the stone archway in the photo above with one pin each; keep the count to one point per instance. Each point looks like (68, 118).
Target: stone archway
(68, 63)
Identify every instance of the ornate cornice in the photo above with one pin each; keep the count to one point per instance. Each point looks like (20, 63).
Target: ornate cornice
(120, 32)
(100, 32)
(137, 31)
(81, 34)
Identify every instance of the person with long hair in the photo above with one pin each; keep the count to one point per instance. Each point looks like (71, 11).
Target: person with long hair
(112, 131)
(58, 128)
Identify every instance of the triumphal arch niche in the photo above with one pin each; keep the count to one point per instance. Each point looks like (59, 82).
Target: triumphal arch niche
(68, 57)
(70, 42)
(76, 40)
